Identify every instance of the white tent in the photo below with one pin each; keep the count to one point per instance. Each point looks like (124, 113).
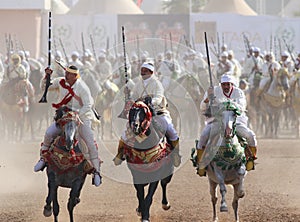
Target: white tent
(152, 6)
(292, 9)
(88, 7)
(59, 7)
(229, 6)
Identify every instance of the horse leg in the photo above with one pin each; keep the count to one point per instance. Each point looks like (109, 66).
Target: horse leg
(164, 182)
(140, 193)
(214, 199)
(235, 201)
(74, 197)
(223, 207)
(148, 200)
(55, 204)
(51, 187)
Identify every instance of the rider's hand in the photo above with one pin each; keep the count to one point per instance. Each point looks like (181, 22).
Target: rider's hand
(210, 91)
(48, 71)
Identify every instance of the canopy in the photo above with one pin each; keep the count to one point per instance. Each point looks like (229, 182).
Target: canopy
(229, 6)
(87, 7)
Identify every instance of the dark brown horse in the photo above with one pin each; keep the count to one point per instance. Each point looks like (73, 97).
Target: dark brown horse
(66, 165)
(148, 157)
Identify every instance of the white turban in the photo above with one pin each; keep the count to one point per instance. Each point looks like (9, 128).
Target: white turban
(148, 66)
(227, 78)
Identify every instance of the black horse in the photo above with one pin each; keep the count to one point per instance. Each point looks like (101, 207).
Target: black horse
(66, 165)
(148, 156)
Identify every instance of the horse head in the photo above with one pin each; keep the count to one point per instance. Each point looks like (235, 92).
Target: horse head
(140, 118)
(68, 121)
(228, 113)
(283, 79)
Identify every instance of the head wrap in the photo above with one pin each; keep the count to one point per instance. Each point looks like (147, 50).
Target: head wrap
(148, 66)
(227, 78)
(73, 70)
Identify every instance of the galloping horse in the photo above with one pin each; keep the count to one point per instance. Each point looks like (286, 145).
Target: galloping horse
(148, 156)
(224, 158)
(273, 101)
(66, 165)
(103, 104)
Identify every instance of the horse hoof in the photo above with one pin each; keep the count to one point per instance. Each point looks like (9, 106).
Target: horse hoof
(166, 206)
(47, 211)
(138, 212)
(241, 194)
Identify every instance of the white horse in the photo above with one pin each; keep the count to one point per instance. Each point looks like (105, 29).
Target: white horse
(224, 158)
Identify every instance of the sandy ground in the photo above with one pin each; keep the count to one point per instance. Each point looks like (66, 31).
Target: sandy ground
(272, 190)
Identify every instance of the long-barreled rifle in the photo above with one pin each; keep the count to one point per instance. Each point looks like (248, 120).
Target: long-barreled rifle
(123, 114)
(48, 76)
(209, 112)
(93, 48)
(8, 40)
(83, 45)
(64, 51)
(289, 50)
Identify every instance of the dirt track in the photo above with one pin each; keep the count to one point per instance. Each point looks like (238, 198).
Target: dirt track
(272, 190)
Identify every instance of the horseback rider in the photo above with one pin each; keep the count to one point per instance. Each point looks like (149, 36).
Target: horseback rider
(17, 75)
(76, 96)
(227, 91)
(150, 86)
(269, 68)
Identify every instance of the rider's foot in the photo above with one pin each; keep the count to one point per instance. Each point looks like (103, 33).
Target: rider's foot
(250, 165)
(40, 165)
(97, 179)
(176, 159)
(201, 172)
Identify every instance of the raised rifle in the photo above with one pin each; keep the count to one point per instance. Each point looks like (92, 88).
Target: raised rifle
(64, 51)
(8, 40)
(209, 112)
(93, 48)
(48, 76)
(107, 46)
(83, 45)
(125, 110)
(289, 50)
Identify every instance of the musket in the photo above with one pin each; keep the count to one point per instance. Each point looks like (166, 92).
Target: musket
(64, 51)
(123, 114)
(171, 46)
(271, 43)
(8, 39)
(22, 47)
(211, 99)
(216, 52)
(247, 43)
(218, 41)
(107, 46)
(48, 76)
(93, 48)
(138, 50)
(83, 45)
(289, 50)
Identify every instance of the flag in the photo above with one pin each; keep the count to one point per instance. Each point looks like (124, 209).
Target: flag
(139, 2)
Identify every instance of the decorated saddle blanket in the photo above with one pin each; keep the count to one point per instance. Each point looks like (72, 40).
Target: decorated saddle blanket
(63, 161)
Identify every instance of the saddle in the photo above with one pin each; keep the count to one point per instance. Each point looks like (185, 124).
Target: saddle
(65, 161)
(148, 160)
